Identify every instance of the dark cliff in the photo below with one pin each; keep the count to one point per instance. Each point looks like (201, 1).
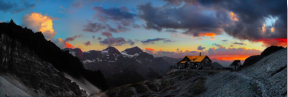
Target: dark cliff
(39, 63)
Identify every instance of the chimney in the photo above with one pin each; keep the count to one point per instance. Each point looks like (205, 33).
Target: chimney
(11, 21)
(200, 54)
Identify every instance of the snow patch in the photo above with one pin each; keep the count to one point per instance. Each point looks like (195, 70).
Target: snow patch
(84, 85)
(104, 52)
(72, 53)
(88, 61)
(129, 56)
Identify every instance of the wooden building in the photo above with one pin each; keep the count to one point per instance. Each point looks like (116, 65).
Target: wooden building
(194, 62)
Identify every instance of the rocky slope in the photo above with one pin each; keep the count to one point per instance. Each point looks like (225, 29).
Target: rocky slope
(253, 59)
(34, 66)
(130, 65)
(23, 73)
(267, 78)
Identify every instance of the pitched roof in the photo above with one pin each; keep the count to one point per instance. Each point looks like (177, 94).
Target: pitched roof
(196, 58)
(183, 61)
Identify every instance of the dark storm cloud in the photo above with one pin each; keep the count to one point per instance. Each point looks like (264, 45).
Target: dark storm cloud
(106, 34)
(12, 6)
(94, 27)
(121, 19)
(155, 40)
(118, 41)
(115, 13)
(99, 27)
(188, 17)
(200, 47)
(120, 16)
(198, 16)
(252, 15)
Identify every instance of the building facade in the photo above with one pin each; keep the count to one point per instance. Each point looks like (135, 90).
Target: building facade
(194, 62)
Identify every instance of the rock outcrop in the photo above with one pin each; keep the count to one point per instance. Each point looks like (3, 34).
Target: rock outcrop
(253, 59)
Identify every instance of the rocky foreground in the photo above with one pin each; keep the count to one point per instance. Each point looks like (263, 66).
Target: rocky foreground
(31, 66)
(266, 77)
(23, 73)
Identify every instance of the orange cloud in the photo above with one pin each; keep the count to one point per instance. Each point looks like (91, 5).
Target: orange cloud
(60, 40)
(149, 49)
(263, 29)
(39, 22)
(272, 29)
(274, 41)
(230, 54)
(209, 34)
(231, 58)
(233, 16)
(68, 45)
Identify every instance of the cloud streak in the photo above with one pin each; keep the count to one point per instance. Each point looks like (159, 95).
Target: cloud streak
(116, 41)
(87, 43)
(72, 38)
(239, 43)
(200, 48)
(151, 41)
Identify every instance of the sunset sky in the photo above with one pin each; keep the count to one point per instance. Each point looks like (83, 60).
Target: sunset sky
(225, 30)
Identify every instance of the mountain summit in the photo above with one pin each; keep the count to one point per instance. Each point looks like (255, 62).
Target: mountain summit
(131, 65)
(132, 51)
(111, 50)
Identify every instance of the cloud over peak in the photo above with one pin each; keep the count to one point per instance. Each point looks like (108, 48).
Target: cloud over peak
(38, 22)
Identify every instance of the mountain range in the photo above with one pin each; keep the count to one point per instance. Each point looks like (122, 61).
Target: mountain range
(130, 65)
